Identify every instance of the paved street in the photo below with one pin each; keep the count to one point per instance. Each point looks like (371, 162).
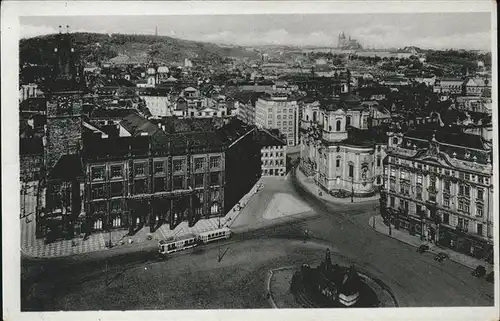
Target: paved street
(196, 280)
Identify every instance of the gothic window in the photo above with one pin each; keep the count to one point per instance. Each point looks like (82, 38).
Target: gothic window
(198, 180)
(159, 167)
(215, 162)
(97, 173)
(117, 189)
(159, 184)
(178, 165)
(198, 163)
(140, 186)
(214, 178)
(116, 171)
(98, 191)
(178, 182)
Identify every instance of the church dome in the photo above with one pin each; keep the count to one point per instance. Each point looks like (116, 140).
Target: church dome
(163, 70)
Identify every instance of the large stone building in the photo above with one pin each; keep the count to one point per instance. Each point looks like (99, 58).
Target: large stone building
(339, 150)
(273, 153)
(439, 185)
(280, 111)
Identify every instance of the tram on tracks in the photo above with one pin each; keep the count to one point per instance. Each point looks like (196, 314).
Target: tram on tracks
(215, 235)
(172, 245)
(188, 241)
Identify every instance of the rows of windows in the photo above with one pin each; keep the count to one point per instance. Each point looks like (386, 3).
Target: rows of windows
(273, 154)
(462, 223)
(279, 162)
(140, 169)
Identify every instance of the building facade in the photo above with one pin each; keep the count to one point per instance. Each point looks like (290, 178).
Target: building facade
(273, 153)
(137, 181)
(279, 111)
(439, 186)
(449, 86)
(338, 150)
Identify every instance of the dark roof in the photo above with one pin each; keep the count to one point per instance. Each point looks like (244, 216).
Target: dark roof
(117, 113)
(30, 146)
(449, 137)
(136, 125)
(366, 137)
(267, 138)
(68, 167)
(177, 125)
(246, 96)
(95, 147)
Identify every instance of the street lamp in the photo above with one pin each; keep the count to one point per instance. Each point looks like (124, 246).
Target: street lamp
(352, 188)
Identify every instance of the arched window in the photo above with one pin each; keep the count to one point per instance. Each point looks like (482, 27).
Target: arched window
(338, 125)
(314, 116)
(214, 209)
(348, 121)
(307, 117)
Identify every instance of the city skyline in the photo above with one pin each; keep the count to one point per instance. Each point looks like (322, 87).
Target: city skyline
(470, 31)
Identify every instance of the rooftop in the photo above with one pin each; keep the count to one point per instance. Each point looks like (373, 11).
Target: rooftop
(449, 137)
(137, 125)
(68, 167)
(268, 138)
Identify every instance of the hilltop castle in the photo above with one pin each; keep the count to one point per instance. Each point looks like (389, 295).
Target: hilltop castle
(347, 43)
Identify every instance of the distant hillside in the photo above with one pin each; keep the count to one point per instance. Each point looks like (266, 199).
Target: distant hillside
(96, 47)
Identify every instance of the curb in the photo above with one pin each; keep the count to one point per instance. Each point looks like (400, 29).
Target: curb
(270, 295)
(404, 242)
(334, 200)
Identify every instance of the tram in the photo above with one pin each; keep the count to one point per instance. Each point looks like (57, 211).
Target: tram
(215, 235)
(174, 245)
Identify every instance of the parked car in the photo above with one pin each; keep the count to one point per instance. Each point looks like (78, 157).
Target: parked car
(422, 248)
(479, 272)
(441, 256)
(490, 277)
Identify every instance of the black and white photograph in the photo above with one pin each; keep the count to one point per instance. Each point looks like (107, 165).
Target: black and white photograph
(297, 160)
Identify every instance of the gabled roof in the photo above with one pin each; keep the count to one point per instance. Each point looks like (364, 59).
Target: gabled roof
(137, 125)
(267, 138)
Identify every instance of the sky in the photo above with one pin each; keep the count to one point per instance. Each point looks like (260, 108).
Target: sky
(426, 30)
